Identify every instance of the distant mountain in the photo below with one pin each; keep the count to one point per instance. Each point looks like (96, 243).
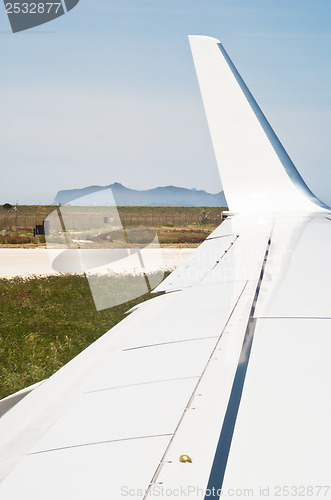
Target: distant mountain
(170, 196)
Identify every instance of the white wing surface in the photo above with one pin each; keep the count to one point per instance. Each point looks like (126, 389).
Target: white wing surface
(220, 383)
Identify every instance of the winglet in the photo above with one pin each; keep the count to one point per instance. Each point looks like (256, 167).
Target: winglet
(256, 172)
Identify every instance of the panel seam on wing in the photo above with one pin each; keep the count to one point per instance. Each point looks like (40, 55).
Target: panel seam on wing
(96, 443)
(141, 383)
(221, 236)
(170, 342)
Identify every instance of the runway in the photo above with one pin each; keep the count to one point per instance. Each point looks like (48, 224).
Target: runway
(42, 262)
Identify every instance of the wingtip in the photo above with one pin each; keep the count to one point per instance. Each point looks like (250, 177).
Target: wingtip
(208, 39)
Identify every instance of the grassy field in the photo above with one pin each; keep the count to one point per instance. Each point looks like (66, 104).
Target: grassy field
(187, 226)
(44, 323)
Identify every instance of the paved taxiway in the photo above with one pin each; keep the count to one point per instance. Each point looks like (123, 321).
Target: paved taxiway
(39, 261)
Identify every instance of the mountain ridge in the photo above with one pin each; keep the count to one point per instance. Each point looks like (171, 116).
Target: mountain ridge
(159, 196)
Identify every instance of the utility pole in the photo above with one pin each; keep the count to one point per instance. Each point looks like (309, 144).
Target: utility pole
(16, 210)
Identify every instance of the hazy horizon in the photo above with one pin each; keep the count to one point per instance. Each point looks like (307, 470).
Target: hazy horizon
(51, 202)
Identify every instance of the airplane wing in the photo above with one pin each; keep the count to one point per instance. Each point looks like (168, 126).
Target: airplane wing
(219, 386)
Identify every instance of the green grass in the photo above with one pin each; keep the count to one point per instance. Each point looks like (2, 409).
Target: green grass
(44, 323)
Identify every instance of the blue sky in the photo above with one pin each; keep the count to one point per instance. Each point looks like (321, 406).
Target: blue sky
(108, 93)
